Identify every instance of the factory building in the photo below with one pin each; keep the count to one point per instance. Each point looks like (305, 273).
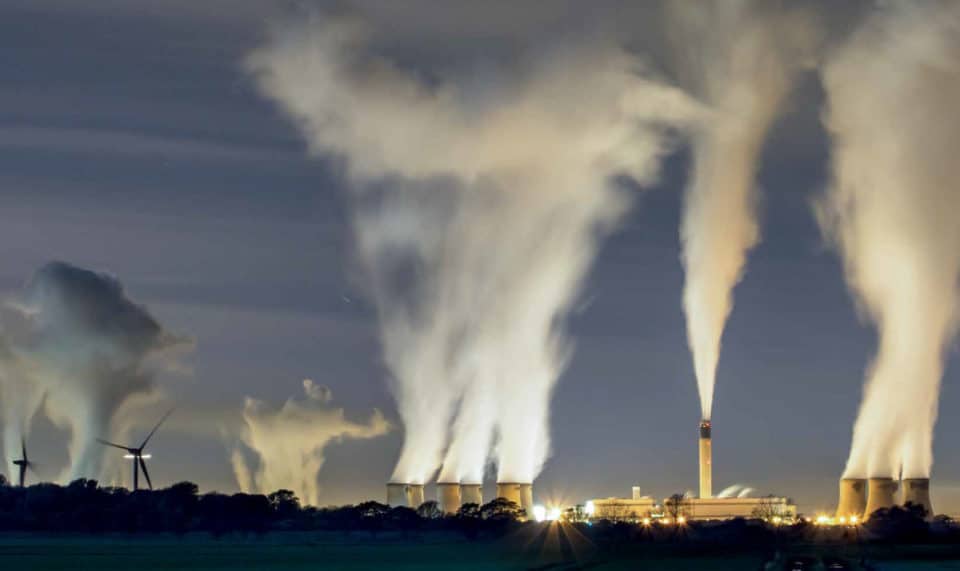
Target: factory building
(635, 508)
(639, 507)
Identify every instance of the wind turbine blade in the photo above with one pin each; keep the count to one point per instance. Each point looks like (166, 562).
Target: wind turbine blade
(149, 436)
(143, 466)
(105, 443)
(23, 448)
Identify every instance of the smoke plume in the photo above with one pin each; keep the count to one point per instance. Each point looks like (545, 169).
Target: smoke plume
(741, 58)
(478, 211)
(891, 211)
(74, 341)
(289, 442)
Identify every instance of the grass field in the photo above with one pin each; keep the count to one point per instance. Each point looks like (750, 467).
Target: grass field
(295, 552)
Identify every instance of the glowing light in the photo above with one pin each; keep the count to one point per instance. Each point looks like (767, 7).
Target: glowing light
(853, 519)
(646, 521)
(553, 514)
(539, 513)
(823, 520)
(590, 509)
(665, 521)
(777, 519)
(843, 520)
(681, 520)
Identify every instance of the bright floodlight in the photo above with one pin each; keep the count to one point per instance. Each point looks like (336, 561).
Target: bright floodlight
(681, 520)
(590, 508)
(553, 514)
(539, 513)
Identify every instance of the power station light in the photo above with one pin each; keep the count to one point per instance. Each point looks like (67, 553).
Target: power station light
(665, 521)
(843, 520)
(823, 520)
(777, 519)
(853, 519)
(590, 509)
(553, 514)
(681, 520)
(539, 513)
(646, 521)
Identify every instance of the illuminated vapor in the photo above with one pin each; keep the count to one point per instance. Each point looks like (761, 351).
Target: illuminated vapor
(741, 57)
(287, 444)
(891, 211)
(477, 214)
(75, 342)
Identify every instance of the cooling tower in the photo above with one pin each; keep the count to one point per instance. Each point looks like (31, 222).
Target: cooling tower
(448, 495)
(880, 494)
(471, 494)
(397, 495)
(853, 497)
(917, 492)
(526, 498)
(706, 461)
(415, 495)
(509, 491)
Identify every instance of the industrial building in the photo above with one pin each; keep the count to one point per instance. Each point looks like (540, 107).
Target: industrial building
(638, 508)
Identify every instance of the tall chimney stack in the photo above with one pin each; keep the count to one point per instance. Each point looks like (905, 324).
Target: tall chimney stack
(706, 460)
(916, 491)
(853, 498)
(880, 494)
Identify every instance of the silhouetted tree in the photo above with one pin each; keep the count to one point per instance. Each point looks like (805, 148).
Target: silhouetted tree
(429, 510)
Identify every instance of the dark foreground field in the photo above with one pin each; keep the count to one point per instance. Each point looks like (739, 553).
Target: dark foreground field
(547, 549)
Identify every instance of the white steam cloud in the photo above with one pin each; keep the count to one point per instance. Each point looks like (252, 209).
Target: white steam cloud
(287, 444)
(479, 209)
(741, 58)
(893, 91)
(76, 343)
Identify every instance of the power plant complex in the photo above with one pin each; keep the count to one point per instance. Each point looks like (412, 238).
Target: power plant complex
(858, 498)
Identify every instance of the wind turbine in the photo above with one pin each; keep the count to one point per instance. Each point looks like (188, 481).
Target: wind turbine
(136, 454)
(23, 463)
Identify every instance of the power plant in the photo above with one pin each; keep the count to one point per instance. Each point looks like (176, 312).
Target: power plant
(706, 460)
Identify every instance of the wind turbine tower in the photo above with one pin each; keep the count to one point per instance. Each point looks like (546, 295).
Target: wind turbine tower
(24, 462)
(136, 454)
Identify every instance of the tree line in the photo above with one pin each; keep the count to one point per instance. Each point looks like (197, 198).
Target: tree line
(83, 506)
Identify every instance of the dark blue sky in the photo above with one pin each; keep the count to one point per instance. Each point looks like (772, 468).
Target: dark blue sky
(131, 141)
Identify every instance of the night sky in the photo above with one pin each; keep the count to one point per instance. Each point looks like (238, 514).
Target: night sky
(133, 142)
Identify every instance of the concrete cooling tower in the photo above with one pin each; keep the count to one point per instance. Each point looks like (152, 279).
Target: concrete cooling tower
(520, 494)
(881, 493)
(471, 494)
(853, 498)
(404, 495)
(448, 495)
(916, 491)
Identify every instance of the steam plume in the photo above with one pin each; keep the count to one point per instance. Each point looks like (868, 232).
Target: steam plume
(891, 211)
(76, 341)
(289, 442)
(478, 213)
(741, 57)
